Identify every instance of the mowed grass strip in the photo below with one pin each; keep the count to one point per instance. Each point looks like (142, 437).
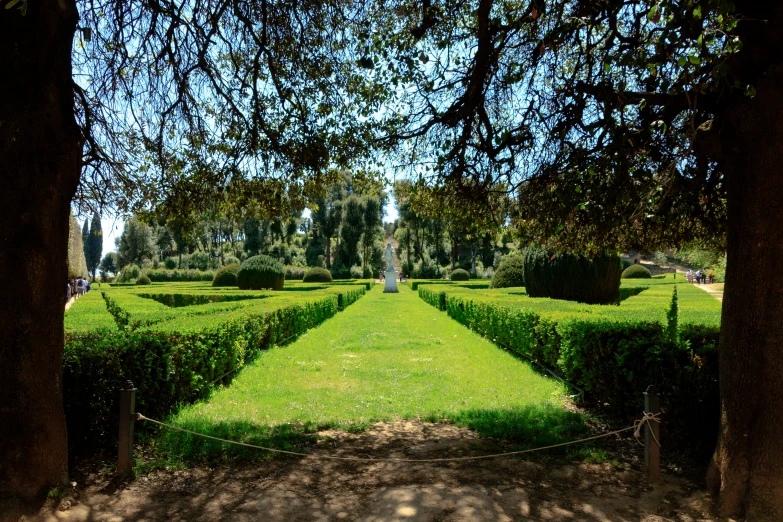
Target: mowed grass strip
(388, 356)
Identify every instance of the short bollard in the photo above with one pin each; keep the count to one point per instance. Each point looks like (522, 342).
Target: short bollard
(127, 418)
(652, 432)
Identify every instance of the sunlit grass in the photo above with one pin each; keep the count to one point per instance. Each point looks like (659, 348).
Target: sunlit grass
(386, 357)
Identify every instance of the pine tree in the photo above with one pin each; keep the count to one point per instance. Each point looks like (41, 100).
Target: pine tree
(93, 247)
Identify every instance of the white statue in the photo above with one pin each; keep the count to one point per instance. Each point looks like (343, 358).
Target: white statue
(388, 254)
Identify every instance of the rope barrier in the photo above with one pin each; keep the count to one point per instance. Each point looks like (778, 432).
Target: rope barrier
(638, 424)
(636, 427)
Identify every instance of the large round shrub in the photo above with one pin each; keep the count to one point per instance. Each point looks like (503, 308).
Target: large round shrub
(636, 272)
(261, 272)
(460, 275)
(573, 277)
(226, 276)
(143, 280)
(317, 275)
(511, 272)
(129, 273)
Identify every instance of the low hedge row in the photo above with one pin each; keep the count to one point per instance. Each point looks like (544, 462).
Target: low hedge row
(172, 359)
(473, 283)
(612, 352)
(163, 275)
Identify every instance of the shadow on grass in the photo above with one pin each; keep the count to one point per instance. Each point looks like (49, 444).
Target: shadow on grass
(525, 427)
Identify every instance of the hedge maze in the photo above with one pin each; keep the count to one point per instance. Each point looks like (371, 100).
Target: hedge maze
(610, 351)
(176, 342)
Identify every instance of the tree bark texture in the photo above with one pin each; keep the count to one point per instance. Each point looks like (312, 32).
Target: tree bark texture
(747, 467)
(40, 160)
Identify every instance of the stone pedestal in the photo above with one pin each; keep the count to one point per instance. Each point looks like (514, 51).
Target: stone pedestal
(391, 281)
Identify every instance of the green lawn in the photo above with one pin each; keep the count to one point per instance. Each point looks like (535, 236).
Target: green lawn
(387, 356)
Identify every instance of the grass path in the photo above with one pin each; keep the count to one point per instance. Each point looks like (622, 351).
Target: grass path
(387, 357)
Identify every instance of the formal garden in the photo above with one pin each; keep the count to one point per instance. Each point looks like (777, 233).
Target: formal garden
(254, 358)
(390, 260)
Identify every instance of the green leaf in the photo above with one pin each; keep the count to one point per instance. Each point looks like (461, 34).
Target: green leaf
(651, 14)
(697, 12)
(681, 61)
(607, 67)
(694, 59)
(11, 4)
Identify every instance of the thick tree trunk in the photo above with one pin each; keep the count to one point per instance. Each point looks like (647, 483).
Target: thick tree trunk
(40, 147)
(747, 467)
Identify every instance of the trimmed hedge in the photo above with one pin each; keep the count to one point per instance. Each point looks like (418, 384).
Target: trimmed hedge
(612, 352)
(510, 273)
(261, 272)
(636, 272)
(317, 275)
(226, 276)
(572, 277)
(460, 275)
(162, 275)
(172, 359)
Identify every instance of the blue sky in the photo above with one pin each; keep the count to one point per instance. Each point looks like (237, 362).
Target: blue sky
(112, 227)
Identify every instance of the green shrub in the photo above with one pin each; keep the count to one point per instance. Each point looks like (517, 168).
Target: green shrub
(460, 275)
(226, 276)
(627, 263)
(143, 280)
(573, 277)
(340, 271)
(172, 276)
(510, 273)
(317, 275)
(612, 352)
(170, 263)
(294, 273)
(171, 358)
(636, 272)
(128, 272)
(261, 272)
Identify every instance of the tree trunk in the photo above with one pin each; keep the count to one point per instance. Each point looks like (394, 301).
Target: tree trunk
(747, 467)
(40, 147)
(329, 253)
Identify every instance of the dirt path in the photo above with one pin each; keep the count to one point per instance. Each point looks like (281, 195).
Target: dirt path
(309, 489)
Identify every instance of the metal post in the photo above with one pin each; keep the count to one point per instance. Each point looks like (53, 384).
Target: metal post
(127, 418)
(652, 451)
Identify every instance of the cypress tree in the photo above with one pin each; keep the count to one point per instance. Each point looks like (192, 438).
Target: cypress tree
(86, 242)
(94, 245)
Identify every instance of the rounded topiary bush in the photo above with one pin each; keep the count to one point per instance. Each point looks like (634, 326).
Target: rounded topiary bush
(261, 272)
(511, 272)
(460, 275)
(317, 275)
(143, 280)
(636, 272)
(226, 276)
(129, 273)
(573, 277)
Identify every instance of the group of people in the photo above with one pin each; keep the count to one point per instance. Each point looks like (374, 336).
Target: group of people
(77, 288)
(699, 276)
(382, 277)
